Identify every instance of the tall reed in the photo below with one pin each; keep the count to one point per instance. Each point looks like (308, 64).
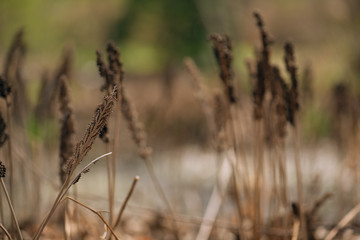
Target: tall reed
(81, 149)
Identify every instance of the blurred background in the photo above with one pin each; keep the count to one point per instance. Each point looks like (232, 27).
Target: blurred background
(155, 36)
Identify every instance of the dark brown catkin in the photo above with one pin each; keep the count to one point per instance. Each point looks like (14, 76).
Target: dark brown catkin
(292, 70)
(259, 92)
(2, 170)
(223, 53)
(5, 88)
(3, 135)
(135, 126)
(104, 72)
(115, 66)
(264, 70)
(265, 51)
(281, 100)
(67, 127)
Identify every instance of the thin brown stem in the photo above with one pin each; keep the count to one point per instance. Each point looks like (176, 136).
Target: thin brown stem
(161, 192)
(110, 181)
(11, 164)
(11, 208)
(5, 231)
(95, 212)
(136, 179)
(299, 178)
(296, 228)
(115, 151)
(64, 189)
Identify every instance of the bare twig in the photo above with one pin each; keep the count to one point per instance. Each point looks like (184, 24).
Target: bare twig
(136, 179)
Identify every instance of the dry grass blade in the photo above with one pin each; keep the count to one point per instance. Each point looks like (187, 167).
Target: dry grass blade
(5, 231)
(95, 212)
(86, 169)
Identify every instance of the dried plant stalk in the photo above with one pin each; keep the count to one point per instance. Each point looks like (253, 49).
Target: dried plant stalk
(223, 53)
(292, 69)
(263, 83)
(100, 118)
(128, 196)
(67, 127)
(113, 75)
(96, 213)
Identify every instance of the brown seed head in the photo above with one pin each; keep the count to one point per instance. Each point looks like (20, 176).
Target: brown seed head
(3, 135)
(5, 88)
(98, 122)
(104, 72)
(292, 70)
(2, 170)
(223, 53)
(115, 66)
(135, 126)
(67, 127)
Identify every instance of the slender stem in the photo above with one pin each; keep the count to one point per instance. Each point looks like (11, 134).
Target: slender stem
(11, 208)
(5, 231)
(115, 151)
(11, 167)
(65, 187)
(136, 179)
(216, 199)
(259, 172)
(161, 192)
(95, 212)
(110, 181)
(299, 179)
(296, 228)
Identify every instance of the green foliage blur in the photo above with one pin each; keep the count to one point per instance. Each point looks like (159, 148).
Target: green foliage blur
(173, 29)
